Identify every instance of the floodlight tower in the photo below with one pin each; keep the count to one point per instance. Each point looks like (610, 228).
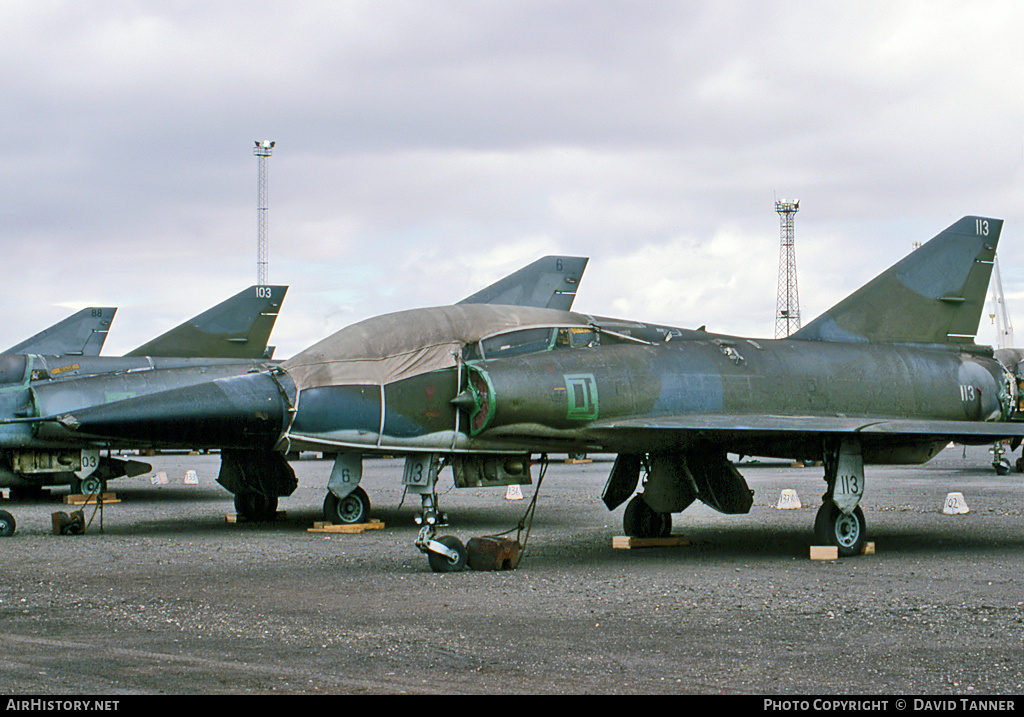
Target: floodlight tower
(262, 152)
(787, 317)
(999, 314)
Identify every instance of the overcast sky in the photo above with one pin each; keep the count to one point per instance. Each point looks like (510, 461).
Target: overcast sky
(425, 149)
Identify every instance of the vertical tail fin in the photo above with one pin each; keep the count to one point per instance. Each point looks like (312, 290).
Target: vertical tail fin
(935, 295)
(81, 334)
(549, 282)
(236, 328)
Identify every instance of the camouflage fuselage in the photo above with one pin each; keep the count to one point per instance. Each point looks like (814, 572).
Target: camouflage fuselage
(560, 399)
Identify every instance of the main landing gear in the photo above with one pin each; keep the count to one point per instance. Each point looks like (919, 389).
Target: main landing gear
(640, 520)
(346, 503)
(257, 478)
(840, 521)
(674, 481)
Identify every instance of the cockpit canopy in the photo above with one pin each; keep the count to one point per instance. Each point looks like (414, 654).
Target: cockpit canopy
(532, 340)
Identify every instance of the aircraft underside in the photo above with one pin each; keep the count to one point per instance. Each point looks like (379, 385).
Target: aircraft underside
(669, 478)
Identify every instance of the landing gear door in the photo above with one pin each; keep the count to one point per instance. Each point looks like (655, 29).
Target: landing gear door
(90, 462)
(346, 474)
(849, 488)
(420, 473)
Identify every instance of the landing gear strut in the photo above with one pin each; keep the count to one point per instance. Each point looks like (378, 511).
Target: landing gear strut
(999, 460)
(446, 554)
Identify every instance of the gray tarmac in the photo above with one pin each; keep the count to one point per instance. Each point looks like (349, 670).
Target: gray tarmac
(168, 597)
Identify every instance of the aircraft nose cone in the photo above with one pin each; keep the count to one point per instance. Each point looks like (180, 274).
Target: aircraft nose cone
(245, 411)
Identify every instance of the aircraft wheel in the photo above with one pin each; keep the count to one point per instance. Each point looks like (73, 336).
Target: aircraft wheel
(1020, 464)
(1002, 467)
(640, 521)
(256, 506)
(91, 485)
(7, 524)
(846, 532)
(442, 563)
(353, 508)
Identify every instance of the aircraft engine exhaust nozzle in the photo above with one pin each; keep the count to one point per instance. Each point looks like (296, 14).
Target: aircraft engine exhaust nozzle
(246, 411)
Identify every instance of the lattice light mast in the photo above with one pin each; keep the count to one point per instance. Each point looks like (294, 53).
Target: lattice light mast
(1000, 316)
(787, 316)
(262, 152)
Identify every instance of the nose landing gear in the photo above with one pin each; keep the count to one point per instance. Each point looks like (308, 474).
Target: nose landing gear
(446, 554)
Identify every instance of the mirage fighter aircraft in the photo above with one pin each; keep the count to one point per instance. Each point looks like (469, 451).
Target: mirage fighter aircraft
(890, 374)
(225, 340)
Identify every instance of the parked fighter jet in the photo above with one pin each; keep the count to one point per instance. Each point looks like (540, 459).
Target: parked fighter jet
(890, 374)
(228, 339)
(33, 462)
(81, 334)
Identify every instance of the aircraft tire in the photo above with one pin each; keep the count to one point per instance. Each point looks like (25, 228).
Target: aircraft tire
(846, 532)
(7, 524)
(353, 508)
(639, 520)
(256, 506)
(663, 524)
(442, 563)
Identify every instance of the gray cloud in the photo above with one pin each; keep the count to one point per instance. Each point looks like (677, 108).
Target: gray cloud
(426, 148)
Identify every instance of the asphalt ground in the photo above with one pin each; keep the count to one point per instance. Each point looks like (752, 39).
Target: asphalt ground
(162, 595)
